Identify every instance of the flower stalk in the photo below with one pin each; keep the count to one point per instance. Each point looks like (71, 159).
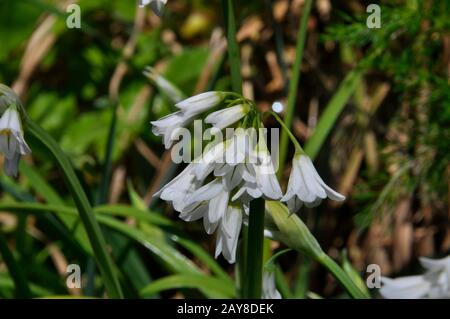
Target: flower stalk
(254, 258)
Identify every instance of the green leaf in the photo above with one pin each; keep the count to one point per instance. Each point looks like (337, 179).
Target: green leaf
(293, 85)
(15, 269)
(91, 226)
(40, 185)
(354, 274)
(211, 287)
(203, 256)
(332, 112)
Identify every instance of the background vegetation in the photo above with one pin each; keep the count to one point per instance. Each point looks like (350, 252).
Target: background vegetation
(385, 141)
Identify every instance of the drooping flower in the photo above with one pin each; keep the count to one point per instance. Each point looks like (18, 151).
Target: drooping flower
(200, 103)
(227, 117)
(12, 142)
(156, 5)
(264, 172)
(170, 125)
(177, 190)
(216, 197)
(269, 289)
(434, 283)
(228, 233)
(306, 186)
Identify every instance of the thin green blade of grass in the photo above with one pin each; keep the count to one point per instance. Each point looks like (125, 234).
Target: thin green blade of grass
(48, 193)
(91, 226)
(210, 287)
(15, 269)
(293, 85)
(7, 285)
(203, 256)
(233, 48)
(332, 112)
(173, 260)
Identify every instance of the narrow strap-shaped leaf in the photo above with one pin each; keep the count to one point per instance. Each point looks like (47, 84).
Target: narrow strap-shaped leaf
(87, 217)
(233, 48)
(293, 85)
(211, 287)
(16, 271)
(332, 112)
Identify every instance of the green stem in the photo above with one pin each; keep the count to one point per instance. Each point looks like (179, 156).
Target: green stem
(87, 216)
(233, 48)
(298, 147)
(341, 276)
(15, 270)
(254, 256)
(293, 86)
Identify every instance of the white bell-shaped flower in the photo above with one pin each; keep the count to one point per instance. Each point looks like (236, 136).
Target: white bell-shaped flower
(177, 190)
(264, 172)
(228, 233)
(228, 116)
(170, 126)
(306, 186)
(216, 197)
(12, 142)
(200, 103)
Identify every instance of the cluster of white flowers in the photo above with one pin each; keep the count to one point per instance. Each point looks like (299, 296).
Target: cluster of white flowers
(12, 142)
(434, 283)
(218, 186)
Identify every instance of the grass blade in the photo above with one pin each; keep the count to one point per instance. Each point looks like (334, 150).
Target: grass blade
(211, 287)
(293, 85)
(296, 235)
(332, 112)
(91, 226)
(16, 271)
(233, 48)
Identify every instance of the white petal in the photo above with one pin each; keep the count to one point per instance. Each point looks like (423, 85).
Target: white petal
(11, 165)
(226, 117)
(233, 178)
(196, 214)
(435, 264)
(206, 192)
(411, 287)
(330, 192)
(217, 207)
(231, 227)
(268, 184)
(209, 227)
(310, 175)
(178, 186)
(269, 290)
(294, 204)
(200, 103)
